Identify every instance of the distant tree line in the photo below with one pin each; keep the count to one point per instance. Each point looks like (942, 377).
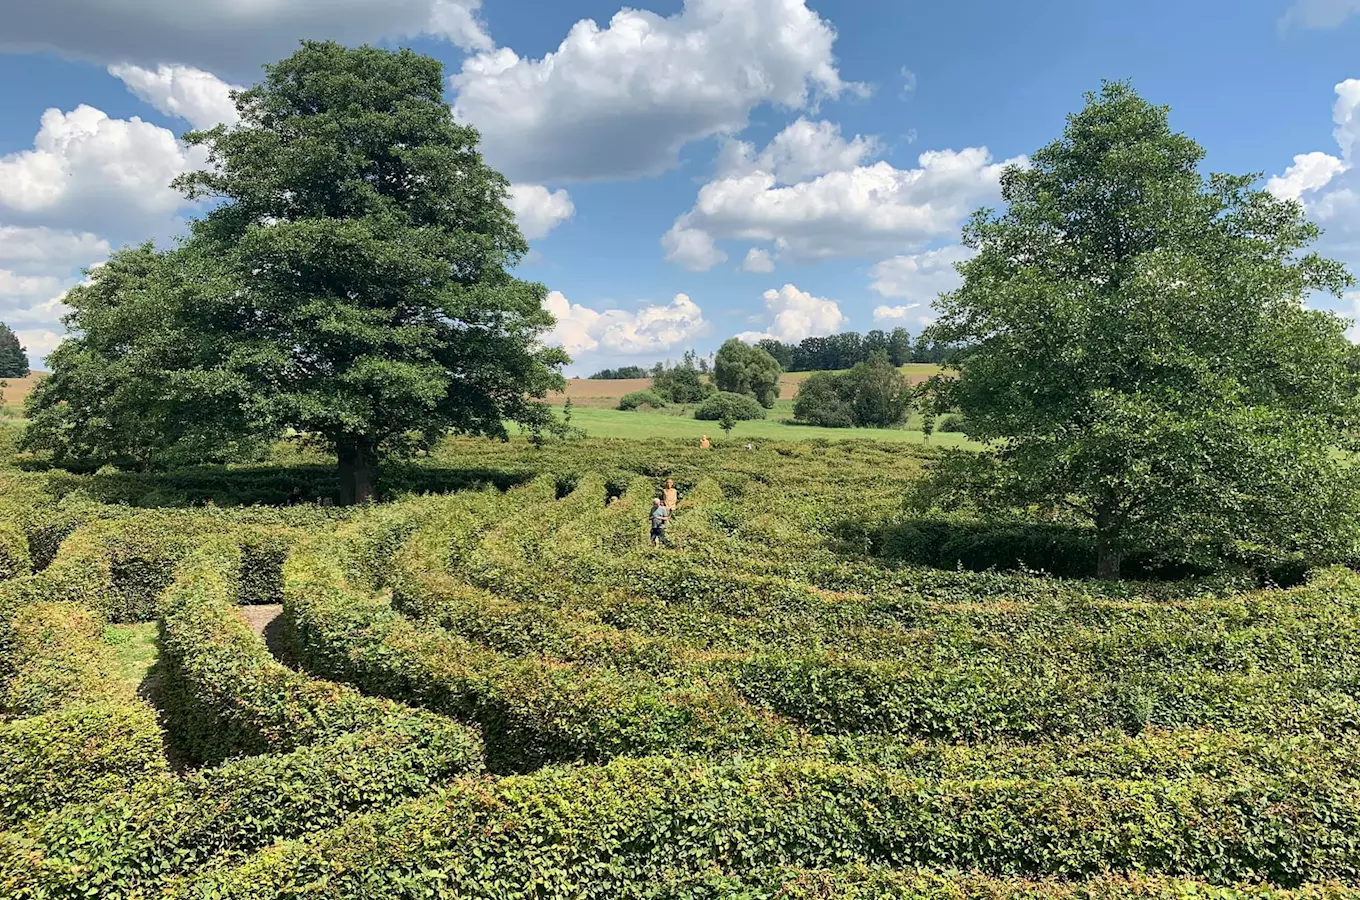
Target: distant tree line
(816, 354)
(845, 351)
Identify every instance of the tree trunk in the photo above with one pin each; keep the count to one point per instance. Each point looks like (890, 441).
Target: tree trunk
(1109, 553)
(1108, 560)
(358, 469)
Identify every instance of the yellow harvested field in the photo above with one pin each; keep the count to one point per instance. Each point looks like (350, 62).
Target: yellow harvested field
(14, 390)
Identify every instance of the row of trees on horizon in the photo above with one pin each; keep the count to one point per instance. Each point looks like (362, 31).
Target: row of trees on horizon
(825, 353)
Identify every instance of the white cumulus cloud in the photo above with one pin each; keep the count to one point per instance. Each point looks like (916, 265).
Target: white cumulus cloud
(90, 172)
(199, 98)
(865, 210)
(794, 314)
(757, 260)
(231, 37)
(919, 276)
(648, 329)
(1309, 172)
(802, 150)
(539, 210)
(48, 249)
(621, 101)
(692, 248)
(897, 315)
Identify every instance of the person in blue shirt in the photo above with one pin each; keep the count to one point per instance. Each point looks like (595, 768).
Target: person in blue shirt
(661, 514)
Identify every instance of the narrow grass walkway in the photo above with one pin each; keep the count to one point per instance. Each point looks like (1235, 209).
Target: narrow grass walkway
(134, 650)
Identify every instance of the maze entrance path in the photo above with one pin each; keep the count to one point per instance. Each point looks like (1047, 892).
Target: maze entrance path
(265, 620)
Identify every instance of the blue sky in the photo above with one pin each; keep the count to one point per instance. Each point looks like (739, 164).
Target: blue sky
(686, 170)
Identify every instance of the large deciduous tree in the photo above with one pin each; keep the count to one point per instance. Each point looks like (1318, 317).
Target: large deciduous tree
(1138, 349)
(358, 288)
(134, 386)
(740, 368)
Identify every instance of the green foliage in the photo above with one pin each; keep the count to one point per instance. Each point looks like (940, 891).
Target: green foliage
(733, 407)
(1180, 395)
(78, 732)
(351, 283)
(682, 383)
(621, 373)
(76, 754)
(874, 394)
(13, 356)
(641, 398)
(224, 695)
(740, 368)
(134, 385)
(127, 843)
(15, 559)
(688, 817)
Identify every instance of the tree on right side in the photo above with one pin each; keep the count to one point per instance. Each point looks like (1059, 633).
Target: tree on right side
(1137, 352)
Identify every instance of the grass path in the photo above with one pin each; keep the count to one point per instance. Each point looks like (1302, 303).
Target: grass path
(134, 650)
(677, 423)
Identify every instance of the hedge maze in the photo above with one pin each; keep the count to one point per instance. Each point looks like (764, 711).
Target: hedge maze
(504, 691)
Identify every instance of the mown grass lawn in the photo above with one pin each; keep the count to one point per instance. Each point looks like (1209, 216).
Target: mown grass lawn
(678, 422)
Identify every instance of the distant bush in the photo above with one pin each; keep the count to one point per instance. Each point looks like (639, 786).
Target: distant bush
(735, 407)
(874, 394)
(820, 403)
(681, 384)
(641, 398)
(951, 424)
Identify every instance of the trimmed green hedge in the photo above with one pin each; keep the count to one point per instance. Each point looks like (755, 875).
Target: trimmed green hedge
(224, 695)
(56, 658)
(78, 732)
(14, 555)
(75, 754)
(861, 882)
(124, 845)
(609, 831)
(531, 711)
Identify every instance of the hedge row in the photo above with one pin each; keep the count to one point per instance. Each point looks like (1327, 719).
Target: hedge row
(862, 882)
(75, 754)
(77, 731)
(610, 831)
(127, 843)
(1156, 753)
(532, 711)
(833, 695)
(56, 657)
(224, 695)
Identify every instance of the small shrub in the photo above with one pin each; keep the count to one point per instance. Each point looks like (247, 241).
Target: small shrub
(951, 424)
(735, 407)
(641, 398)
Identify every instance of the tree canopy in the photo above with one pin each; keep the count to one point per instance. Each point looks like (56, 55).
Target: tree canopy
(1138, 353)
(874, 394)
(13, 355)
(740, 368)
(352, 281)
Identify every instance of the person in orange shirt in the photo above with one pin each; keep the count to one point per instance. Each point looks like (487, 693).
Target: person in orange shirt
(703, 443)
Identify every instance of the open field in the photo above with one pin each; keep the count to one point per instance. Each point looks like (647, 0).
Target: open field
(602, 393)
(506, 691)
(16, 390)
(678, 422)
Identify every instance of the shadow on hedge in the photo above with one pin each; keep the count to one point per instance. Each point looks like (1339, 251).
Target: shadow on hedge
(267, 485)
(1061, 550)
